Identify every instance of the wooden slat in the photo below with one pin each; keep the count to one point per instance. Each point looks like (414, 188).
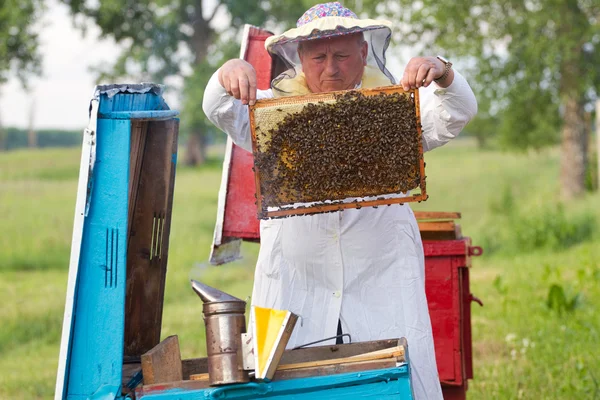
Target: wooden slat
(128, 371)
(162, 364)
(199, 377)
(327, 370)
(139, 130)
(324, 370)
(200, 365)
(394, 352)
(321, 208)
(440, 230)
(335, 351)
(151, 201)
(441, 226)
(194, 366)
(162, 387)
(436, 215)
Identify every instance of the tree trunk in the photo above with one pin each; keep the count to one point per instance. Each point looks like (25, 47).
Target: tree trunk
(481, 140)
(195, 151)
(32, 138)
(573, 149)
(2, 136)
(32, 141)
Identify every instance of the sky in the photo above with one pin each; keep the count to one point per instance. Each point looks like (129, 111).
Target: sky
(60, 97)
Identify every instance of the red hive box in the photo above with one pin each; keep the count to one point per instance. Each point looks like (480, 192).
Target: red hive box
(447, 253)
(447, 265)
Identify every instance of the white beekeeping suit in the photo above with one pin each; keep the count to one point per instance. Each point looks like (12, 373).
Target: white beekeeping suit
(361, 267)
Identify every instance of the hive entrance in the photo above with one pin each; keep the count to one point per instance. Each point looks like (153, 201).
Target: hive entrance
(331, 151)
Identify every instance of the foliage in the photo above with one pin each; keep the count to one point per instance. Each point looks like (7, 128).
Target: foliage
(591, 175)
(545, 227)
(484, 128)
(17, 138)
(522, 55)
(558, 301)
(165, 39)
(18, 38)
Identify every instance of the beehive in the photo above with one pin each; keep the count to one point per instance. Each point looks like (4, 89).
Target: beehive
(326, 152)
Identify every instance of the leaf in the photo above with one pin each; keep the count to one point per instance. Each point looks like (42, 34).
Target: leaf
(556, 298)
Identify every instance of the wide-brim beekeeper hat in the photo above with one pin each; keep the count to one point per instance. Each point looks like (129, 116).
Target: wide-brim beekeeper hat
(326, 21)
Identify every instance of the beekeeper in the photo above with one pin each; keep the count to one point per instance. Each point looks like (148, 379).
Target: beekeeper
(357, 271)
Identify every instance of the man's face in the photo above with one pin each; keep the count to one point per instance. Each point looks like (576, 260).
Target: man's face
(333, 64)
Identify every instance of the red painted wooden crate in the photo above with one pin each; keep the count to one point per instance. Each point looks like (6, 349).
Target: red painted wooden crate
(447, 264)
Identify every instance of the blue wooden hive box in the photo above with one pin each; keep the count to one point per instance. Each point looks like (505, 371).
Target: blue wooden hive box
(117, 271)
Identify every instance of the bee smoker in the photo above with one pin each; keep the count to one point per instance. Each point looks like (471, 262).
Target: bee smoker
(225, 323)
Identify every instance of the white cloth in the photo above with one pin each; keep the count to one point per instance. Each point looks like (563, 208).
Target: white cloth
(364, 267)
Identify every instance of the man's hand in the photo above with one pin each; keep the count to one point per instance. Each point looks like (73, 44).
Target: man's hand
(421, 71)
(239, 80)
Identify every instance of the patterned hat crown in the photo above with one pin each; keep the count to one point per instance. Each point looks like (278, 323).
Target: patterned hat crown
(325, 10)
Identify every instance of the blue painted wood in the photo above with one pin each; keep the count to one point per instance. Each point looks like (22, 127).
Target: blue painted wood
(154, 115)
(393, 383)
(97, 342)
(131, 102)
(95, 355)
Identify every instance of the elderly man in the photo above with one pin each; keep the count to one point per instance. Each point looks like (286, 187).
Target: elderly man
(357, 271)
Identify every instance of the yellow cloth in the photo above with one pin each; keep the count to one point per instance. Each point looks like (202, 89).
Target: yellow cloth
(296, 86)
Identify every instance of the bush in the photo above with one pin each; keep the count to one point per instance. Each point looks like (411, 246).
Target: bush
(17, 138)
(547, 227)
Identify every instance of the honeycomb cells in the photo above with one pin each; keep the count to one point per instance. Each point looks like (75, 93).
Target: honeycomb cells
(355, 146)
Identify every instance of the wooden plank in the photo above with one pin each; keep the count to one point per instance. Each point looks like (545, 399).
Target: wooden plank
(199, 377)
(324, 370)
(162, 364)
(162, 387)
(436, 215)
(394, 352)
(194, 366)
(438, 230)
(139, 130)
(327, 370)
(437, 226)
(335, 351)
(149, 228)
(128, 371)
(321, 208)
(200, 365)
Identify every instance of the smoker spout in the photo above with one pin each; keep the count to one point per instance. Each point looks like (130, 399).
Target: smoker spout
(211, 295)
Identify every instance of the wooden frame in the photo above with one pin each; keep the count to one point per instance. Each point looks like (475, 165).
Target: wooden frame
(320, 207)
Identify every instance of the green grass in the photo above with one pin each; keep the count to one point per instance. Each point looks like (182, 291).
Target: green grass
(522, 348)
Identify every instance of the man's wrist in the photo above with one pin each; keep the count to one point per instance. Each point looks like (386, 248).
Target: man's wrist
(446, 78)
(447, 68)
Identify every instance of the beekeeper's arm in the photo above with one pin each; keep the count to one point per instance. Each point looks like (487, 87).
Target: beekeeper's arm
(447, 101)
(226, 99)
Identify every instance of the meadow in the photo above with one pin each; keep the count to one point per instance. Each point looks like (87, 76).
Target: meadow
(536, 337)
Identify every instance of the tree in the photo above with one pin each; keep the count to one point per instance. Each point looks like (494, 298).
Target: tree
(165, 38)
(534, 62)
(18, 42)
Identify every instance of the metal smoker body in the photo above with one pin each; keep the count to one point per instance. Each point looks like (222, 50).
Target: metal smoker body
(225, 322)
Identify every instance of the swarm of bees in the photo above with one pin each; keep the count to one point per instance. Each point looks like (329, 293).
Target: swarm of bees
(355, 146)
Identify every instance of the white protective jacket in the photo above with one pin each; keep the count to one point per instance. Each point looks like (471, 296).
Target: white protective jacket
(364, 267)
